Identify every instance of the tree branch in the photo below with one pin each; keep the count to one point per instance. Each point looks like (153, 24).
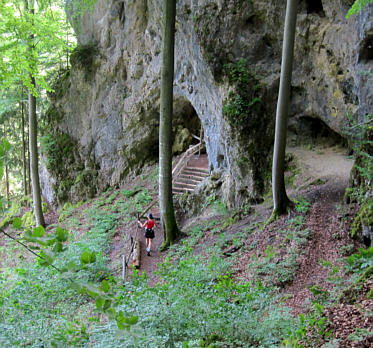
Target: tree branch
(31, 251)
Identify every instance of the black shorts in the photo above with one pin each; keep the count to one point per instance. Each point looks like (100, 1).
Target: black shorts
(149, 233)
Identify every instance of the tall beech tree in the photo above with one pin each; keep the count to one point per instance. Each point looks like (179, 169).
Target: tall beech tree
(165, 124)
(33, 121)
(280, 198)
(29, 32)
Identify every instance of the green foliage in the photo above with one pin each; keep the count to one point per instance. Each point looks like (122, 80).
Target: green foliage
(301, 205)
(357, 6)
(57, 315)
(276, 271)
(26, 38)
(65, 211)
(238, 72)
(364, 217)
(346, 250)
(9, 215)
(28, 219)
(361, 138)
(237, 108)
(83, 56)
(198, 303)
(313, 322)
(360, 261)
(219, 207)
(58, 150)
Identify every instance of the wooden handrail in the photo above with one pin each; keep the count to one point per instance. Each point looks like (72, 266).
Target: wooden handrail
(183, 161)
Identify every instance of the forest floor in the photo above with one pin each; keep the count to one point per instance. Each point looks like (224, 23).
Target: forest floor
(300, 253)
(317, 178)
(320, 176)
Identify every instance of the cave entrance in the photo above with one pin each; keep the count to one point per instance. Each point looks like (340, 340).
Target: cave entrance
(313, 131)
(191, 167)
(187, 128)
(315, 6)
(366, 49)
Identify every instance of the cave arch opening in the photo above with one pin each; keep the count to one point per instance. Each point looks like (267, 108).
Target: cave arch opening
(312, 130)
(366, 49)
(187, 127)
(315, 6)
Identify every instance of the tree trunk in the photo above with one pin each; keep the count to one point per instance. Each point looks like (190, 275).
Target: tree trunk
(7, 185)
(36, 195)
(165, 125)
(280, 199)
(24, 149)
(28, 159)
(33, 130)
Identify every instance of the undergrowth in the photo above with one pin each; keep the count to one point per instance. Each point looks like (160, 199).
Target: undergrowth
(198, 301)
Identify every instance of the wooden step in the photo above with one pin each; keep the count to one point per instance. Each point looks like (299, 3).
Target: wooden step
(197, 170)
(182, 185)
(191, 177)
(201, 176)
(188, 180)
(181, 190)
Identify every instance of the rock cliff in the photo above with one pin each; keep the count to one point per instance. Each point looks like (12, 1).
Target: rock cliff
(227, 68)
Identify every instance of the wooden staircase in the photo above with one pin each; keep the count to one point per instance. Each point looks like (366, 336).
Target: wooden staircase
(188, 179)
(190, 170)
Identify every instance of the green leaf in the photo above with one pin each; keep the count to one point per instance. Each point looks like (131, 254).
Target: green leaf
(50, 240)
(33, 239)
(121, 325)
(38, 231)
(71, 266)
(132, 320)
(93, 257)
(61, 234)
(17, 223)
(85, 257)
(100, 303)
(77, 286)
(105, 286)
(47, 258)
(91, 291)
(58, 247)
(107, 305)
(6, 145)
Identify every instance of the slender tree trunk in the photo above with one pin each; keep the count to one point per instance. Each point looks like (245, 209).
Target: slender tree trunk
(165, 124)
(280, 198)
(24, 148)
(6, 174)
(28, 159)
(7, 185)
(33, 130)
(33, 127)
(67, 50)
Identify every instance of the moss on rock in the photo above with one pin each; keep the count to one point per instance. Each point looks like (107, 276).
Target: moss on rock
(62, 160)
(249, 122)
(83, 57)
(364, 217)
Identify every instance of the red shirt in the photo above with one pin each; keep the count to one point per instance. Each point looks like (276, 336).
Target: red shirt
(149, 224)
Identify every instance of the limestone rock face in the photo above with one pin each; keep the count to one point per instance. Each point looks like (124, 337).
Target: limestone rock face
(109, 102)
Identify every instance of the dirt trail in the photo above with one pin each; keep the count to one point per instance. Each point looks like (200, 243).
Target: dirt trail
(323, 179)
(122, 245)
(329, 164)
